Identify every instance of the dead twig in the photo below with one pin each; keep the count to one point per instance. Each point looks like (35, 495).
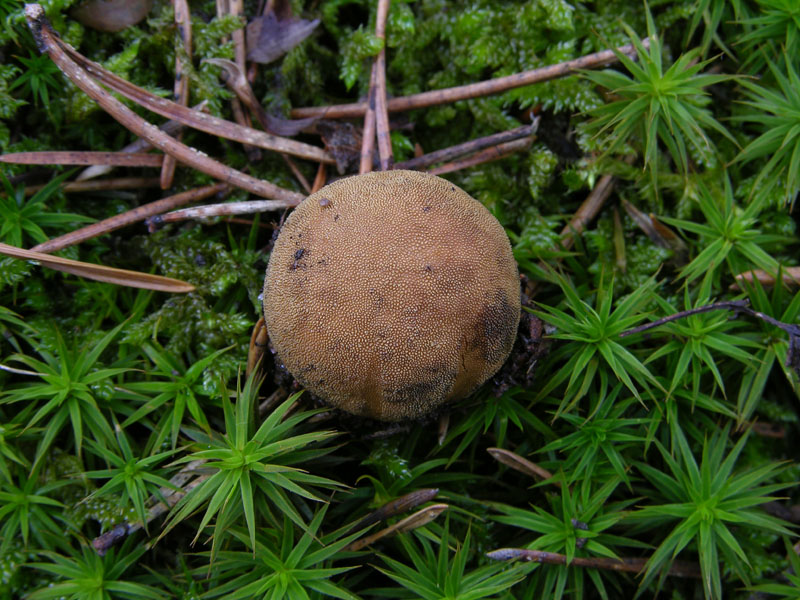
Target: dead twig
(236, 8)
(170, 127)
(217, 210)
(235, 79)
(473, 90)
(78, 157)
(140, 213)
(191, 118)
(487, 155)
(104, 542)
(379, 93)
(735, 305)
(445, 154)
(320, 179)
(183, 22)
(395, 507)
(678, 568)
(368, 131)
(47, 40)
(587, 211)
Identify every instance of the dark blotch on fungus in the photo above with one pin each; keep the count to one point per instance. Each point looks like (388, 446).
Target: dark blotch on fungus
(404, 309)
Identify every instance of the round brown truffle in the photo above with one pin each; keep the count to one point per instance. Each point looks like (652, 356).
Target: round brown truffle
(390, 293)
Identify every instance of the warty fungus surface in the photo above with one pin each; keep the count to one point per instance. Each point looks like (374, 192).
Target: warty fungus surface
(390, 293)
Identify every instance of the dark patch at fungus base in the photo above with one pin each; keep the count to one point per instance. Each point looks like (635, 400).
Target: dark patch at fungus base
(403, 309)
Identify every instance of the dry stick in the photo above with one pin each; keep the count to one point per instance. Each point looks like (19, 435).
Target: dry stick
(395, 507)
(140, 213)
(234, 77)
(236, 8)
(201, 121)
(46, 39)
(368, 132)
(77, 157)
(320, 179)
(678, 568)
(103, 543)
(183, 22)
(120, 183)
(587, 211)
(473, 90)
(431, 158)
(735, 305)
(379, 97)
(217, 210)
(484, 156)
(170, 127)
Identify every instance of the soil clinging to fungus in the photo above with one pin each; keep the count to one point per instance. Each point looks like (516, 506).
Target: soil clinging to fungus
(390, 293)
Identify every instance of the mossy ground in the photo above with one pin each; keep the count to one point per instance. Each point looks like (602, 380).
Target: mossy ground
(643, 433)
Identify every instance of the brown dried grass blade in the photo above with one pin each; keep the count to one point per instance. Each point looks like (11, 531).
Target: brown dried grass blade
(395, 507)
(791, 276)
(523, 465)
(418, 519)
(101, 272)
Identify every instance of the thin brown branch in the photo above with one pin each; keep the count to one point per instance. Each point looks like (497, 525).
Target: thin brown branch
(472, 90)
(298, 174)
(78, 157)
(678, 568)
(368, 131)
(587, 211)
(395, 507)
(200, 121)
(170, 127)
(104, 542)
(240, 52)
(217, 210)
(320, 179)
(47, 40)
(183, 23)
(118, 183)
(490, 154)
(100, 272)
(235, 78)
(735, 305)
(140, 213)
(379, 95)
(445, 154)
